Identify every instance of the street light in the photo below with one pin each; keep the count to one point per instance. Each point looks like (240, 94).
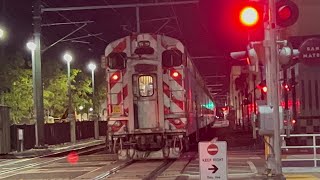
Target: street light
(1, 33)
(68, 58)
(81, 108)
(92, 67)
(32, 47)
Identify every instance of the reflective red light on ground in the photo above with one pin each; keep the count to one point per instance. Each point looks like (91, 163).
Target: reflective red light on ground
(73, 157)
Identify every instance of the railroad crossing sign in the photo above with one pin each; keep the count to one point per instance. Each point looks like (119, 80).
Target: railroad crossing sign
(213, 160)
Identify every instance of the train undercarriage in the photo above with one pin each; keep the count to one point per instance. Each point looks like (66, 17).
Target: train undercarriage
(148, 146)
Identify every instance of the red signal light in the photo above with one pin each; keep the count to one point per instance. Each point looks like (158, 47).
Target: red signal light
(249, 16)
(284, 12)
(115, 77)
(293, 121)
(264, 89)
(287, 13)
(175, 74)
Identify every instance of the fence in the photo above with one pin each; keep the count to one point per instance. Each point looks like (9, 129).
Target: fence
(314, 148)
(4, 130)
(56, 133)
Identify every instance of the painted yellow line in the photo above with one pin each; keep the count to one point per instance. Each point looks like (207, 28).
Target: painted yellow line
(300, 176)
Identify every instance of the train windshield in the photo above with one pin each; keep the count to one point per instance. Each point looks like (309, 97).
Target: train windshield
(146, 86)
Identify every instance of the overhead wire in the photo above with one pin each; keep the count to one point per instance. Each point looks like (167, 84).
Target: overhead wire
(83, 29)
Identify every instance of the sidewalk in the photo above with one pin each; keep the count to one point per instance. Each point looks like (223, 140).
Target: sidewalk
(59, 148)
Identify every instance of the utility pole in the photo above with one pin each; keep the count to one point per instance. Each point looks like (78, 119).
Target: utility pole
(38, 90)
(272, 72)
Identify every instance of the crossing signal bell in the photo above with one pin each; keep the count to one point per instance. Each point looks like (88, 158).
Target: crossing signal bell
(287, 13)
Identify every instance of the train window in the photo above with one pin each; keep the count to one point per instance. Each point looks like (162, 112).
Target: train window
(117, 60)
(171, 58)
(146, 86)
(144, 48)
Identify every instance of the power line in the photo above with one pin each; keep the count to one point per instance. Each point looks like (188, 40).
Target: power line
(64, 17)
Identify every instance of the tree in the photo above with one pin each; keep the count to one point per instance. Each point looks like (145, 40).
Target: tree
(56, 92)
(17, 79)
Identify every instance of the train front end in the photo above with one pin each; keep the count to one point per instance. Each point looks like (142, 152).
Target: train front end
(144, 75)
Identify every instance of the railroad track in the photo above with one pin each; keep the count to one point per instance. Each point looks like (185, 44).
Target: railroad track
(148, 169)
(9, 168)
(145, 170)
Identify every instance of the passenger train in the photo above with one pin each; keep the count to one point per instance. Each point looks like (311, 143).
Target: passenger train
(156, 99)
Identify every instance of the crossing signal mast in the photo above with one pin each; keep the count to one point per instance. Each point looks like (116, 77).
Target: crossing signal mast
(276, 15)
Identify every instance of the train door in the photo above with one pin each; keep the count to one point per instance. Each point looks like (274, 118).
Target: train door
(145, 101)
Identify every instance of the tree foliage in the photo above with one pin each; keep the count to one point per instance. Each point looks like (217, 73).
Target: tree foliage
(16, 87)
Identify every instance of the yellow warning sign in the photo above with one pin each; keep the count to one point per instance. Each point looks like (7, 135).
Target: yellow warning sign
(116, 109)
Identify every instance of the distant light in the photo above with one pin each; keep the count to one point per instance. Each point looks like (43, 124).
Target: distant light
(81, 107)
(67, 57)
(293, 121)
(31, 46)
(249, 16)
(1, 33)
(90, 109)
(92, 66)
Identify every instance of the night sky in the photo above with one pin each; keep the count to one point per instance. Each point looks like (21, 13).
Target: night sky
(207, 29)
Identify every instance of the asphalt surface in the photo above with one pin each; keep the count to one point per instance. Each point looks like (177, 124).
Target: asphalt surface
(245, 162)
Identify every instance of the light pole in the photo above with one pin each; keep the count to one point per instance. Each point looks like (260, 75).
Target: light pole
(68, 58)
(93, 67)
(32, 47)
(81, 108)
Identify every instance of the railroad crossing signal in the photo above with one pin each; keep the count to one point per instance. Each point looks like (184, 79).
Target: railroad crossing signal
(249, 16)
(287, 13)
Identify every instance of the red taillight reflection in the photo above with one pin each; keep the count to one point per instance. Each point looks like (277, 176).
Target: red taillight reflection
(73, 157)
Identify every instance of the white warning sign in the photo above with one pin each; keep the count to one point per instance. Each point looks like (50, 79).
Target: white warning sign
(213, 160)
